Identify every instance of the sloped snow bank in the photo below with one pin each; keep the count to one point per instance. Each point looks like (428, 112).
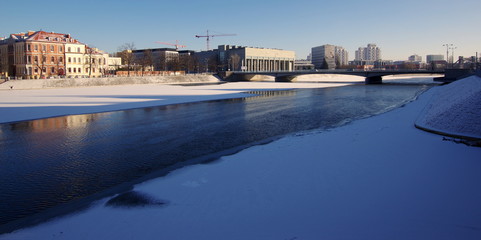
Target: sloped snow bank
(455, 110)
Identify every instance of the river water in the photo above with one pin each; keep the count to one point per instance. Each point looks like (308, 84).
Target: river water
(51, 162)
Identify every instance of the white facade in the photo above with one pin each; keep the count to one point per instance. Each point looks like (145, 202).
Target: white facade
(74, 59)
(342, 56)
(415, 58)
(334, 56)
(369, 53)
(114, 63)
(82, 61)
(95, 62)
(253, 59)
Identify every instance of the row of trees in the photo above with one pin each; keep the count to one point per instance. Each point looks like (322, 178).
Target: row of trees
(189, 62)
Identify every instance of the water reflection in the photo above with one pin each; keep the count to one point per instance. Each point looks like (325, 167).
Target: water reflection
(53, 161)
(48, 124)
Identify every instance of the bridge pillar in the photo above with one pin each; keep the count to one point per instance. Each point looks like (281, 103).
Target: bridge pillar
(373, 80)
(285, 78)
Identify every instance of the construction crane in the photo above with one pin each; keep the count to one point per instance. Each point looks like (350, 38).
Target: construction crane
(177, 45)
(208, 36)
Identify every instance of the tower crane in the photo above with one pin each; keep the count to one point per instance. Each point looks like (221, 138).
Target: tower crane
(177, 45)
(208, 36)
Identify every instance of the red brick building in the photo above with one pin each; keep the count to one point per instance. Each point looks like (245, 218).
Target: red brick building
(34, 55)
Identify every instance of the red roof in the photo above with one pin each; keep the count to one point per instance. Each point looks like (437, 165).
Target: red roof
(45, 37)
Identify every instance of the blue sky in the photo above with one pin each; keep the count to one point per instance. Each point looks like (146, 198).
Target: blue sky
(399, 28)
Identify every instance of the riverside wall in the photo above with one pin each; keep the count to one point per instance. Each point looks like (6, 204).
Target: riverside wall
(107, 81)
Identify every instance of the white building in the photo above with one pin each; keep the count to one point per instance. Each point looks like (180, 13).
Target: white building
(369, 53)
(95, 62)
(333, 56)
(241, 58)
(74, 59)
(415, 58)
(342, 56)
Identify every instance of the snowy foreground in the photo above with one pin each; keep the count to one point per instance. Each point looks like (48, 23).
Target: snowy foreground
(376, 178)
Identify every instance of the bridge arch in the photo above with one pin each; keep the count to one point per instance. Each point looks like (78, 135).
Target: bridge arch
(371, 77)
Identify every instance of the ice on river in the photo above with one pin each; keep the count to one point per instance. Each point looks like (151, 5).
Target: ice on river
(376, 178)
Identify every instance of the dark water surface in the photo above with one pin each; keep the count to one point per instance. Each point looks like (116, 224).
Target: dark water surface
(44, 163)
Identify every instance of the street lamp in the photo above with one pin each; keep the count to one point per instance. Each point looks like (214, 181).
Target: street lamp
(447, 45)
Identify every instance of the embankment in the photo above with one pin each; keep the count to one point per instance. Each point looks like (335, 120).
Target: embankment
(106, 81)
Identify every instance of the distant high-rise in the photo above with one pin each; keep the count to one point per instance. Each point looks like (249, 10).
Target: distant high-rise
(329, 56)
(434, 57)
(369, 53)
(309, 57)
(415, 58)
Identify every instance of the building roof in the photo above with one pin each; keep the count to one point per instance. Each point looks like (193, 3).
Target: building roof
(43, 36)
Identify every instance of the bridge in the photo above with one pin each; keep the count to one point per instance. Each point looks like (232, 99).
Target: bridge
(371, 76)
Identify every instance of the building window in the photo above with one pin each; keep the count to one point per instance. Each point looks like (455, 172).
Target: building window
(69, 70)
(79, 70)
(60, 59)
(52, 70)
(74, 70)
(78, 49)
(44, 70)
(35, 47)
(44, 48)
(52, 48)
(29, 47)
(36, 70)
(74, 60)
(35, 59)
(60, 48)
(44, 59)
(69, 49)
(29, 70)
(79, 60)
(52, 60)
(69, 60)
(29, 59)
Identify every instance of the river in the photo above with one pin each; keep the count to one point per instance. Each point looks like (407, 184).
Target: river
(51, 162)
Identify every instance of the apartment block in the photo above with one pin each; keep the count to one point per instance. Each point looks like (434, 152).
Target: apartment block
(329, 56)
(370, 53)
(43, 54)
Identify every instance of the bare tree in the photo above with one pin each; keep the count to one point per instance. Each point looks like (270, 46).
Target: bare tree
(3, 67)
(127, 56)
(408, 66)
(213, 64)
(234, 61)
(173, 64)
(188, 63)
(40, 62)
(145, 60)
(91, 62)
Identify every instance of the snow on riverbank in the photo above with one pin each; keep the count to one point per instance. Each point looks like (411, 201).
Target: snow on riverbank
(448, 109)
(377, 178)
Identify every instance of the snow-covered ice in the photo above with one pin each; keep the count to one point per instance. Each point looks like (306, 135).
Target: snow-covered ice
(22, 103)
(376, 178)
